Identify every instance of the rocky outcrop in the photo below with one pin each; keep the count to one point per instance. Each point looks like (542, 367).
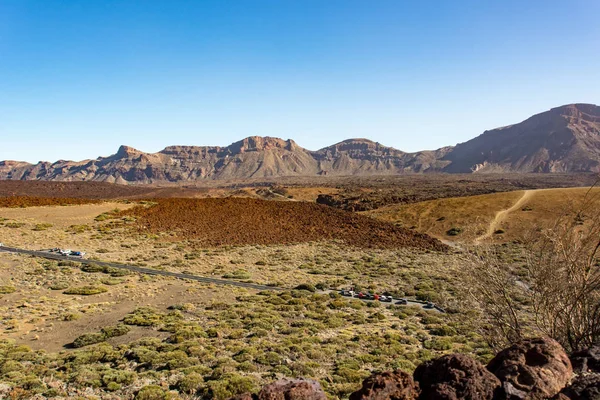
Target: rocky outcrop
(587, 360)
(532, 369)
(397, 385)
(454, 377)
(584, 387)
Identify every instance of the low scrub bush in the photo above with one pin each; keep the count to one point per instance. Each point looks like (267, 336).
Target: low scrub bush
(86, 290)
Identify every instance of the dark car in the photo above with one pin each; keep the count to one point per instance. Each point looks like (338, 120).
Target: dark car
(402, 301)
(429, 305)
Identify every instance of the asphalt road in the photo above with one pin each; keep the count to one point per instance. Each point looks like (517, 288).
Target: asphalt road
(150, 271)
(141, 270)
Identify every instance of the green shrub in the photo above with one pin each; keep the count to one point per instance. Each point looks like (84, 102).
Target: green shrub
(6, 289)
(438, 344)
(229, 386)
(92, 267)
(59, 286)
(443, 330)
(86, 290)
(143, 316)
(151, 392)
(120, 377)
(11, 366)
(238, 274)
(113, 386)
(41, 227)
(191, 383)
(114, 331)
(111, 282)
(70, 316)
(453, 231)
(307, 287)
(88, 339)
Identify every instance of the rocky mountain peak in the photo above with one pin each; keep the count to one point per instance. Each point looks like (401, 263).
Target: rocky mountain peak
(260, 143)
(127, 152)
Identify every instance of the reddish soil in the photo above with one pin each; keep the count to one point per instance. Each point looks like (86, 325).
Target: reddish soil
(242, 221)
(30, 201)
(91, 190)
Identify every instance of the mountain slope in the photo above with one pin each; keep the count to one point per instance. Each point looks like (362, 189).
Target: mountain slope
(564, 139)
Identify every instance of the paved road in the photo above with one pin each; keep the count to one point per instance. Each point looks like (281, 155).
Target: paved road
(141, 270)
(150, 271)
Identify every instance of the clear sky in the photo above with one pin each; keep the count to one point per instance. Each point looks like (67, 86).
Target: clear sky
(79, 78)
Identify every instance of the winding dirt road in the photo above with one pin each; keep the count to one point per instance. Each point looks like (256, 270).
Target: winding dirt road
(501, 215)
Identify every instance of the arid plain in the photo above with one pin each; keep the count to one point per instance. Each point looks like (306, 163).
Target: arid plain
(72, 329)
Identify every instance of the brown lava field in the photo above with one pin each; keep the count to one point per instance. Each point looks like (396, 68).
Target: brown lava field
(240, 221)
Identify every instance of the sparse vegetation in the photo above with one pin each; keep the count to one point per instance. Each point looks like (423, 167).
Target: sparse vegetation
(213, 341)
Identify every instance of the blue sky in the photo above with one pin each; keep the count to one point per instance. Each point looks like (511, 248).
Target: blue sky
(79, 78)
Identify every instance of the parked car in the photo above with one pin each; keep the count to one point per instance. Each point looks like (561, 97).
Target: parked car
(1, 244)
(402, 301)
(64, 252)
(429, 305)
(387, 299)
(77, 253)
(376, 297)
(361, 295)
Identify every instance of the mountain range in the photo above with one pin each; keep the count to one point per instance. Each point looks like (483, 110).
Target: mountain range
(563, 139)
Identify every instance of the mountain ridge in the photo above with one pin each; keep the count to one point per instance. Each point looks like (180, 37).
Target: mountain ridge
(562, 139)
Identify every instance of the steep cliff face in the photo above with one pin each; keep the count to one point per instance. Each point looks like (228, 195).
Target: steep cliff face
(564, 139)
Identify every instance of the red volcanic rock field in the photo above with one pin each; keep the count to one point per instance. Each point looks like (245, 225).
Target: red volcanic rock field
(242, 221)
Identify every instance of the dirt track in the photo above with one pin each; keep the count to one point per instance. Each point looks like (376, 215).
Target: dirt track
(501, 215)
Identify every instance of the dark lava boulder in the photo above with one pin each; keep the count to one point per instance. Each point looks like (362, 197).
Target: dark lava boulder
(397, 385)
(454, 377)
(584, 387)
(587, 360)
(532, 369)
(292, 389)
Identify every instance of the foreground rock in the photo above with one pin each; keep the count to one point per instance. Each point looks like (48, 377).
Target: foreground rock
(587, 360)
(397, 385)
(532, 369)
(584, 387)
(454, 377)
(287, 389)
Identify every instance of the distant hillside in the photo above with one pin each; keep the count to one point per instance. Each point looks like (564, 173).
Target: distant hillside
(496, 217)
(564, 139)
